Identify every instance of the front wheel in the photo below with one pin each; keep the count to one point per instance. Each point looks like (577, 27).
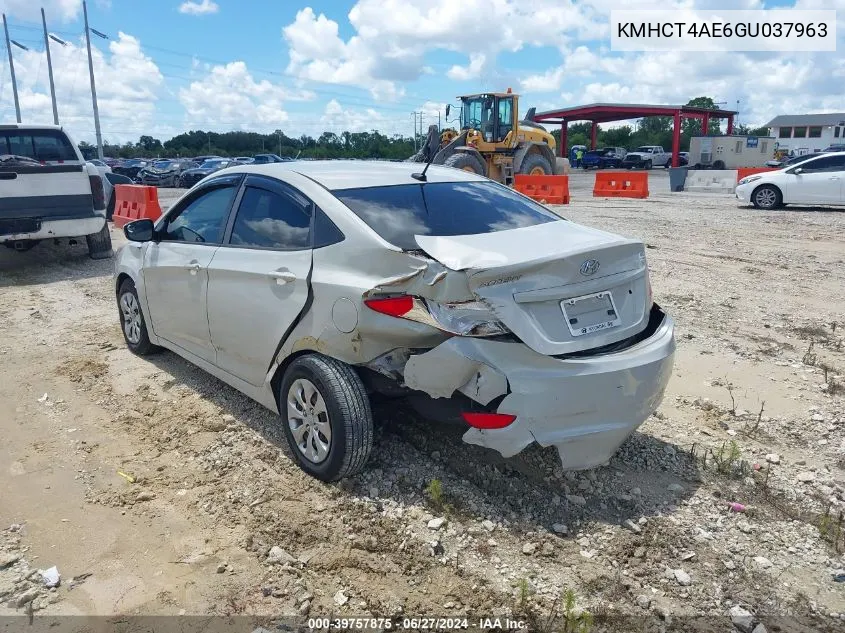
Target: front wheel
(766, 197)
(466, 162)
(132, 320)
(647, 165)
(326, 417)
(537, 165)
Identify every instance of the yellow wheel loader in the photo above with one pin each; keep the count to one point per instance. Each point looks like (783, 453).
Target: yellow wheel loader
(492, 141)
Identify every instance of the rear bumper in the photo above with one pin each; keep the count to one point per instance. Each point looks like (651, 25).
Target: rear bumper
(60, 228)
(585, 407)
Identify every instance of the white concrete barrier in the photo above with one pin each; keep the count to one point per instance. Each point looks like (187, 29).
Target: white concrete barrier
(711, 180)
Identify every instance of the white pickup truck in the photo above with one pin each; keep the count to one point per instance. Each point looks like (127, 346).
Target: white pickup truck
(47, 191)
(647, 156)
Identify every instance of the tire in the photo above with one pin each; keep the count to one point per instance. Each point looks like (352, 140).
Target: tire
(338, 402)
(719, 164)
(466, 162)
(534, 164)
(110, 208)
(99, 244)
(767, 197)
(134, 332)
(647, 165)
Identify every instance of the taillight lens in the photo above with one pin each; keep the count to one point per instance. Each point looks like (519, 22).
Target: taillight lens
(488, 420)
(463, 318)
(97, 192)
(391, 306)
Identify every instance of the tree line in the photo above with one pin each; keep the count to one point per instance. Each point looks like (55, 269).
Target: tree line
(374, 144)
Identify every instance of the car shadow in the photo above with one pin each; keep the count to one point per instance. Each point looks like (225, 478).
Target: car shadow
(49, 262)
(791, 208)
(646, 477)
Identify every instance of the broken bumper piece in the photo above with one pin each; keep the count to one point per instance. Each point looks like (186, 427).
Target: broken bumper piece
(586, 407)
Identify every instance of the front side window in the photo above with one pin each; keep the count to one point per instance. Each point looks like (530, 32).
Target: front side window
(505, 117)
(272, 219)
(202, 219)
(399, 212)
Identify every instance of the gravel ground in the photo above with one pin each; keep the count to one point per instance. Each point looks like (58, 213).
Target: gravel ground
(723, 510)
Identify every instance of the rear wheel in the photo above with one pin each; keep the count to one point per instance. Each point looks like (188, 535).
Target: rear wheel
(466, 162)
(536, 165)
(326, 417)
(719, 164)
(766, 197)
(99, 243)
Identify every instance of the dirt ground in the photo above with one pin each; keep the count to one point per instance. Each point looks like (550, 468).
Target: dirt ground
(176, 494)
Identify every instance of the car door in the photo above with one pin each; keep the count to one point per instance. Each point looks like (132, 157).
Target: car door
(176, 265)
(817, 181)
(258, 281)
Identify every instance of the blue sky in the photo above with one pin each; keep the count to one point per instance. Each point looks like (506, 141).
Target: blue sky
(308, 67)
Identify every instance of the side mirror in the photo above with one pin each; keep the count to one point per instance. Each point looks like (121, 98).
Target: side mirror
(448, 109)
(140, 230)
(798, 170)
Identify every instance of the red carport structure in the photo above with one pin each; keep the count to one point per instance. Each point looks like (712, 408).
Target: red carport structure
(606, 112)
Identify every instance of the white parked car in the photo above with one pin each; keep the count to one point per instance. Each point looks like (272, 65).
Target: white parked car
(308, 285)
(818, 180)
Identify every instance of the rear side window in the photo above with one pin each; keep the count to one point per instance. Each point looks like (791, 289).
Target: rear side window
(271, 219)
(41, 145)
(399, 212)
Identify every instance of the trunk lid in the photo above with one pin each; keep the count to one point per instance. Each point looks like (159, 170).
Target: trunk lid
(560, 287)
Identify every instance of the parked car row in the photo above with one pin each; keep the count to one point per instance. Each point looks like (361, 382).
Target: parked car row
(646, 157)
(179, 172)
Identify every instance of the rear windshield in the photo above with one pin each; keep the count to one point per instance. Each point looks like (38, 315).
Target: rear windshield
(399, 212)
(41, 145)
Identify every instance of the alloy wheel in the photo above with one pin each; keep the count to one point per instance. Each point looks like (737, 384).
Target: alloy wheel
(308, 420)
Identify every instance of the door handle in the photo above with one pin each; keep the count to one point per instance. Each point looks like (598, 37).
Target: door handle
(193, 267)
(282, 276)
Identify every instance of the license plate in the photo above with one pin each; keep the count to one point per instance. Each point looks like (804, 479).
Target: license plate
(22, 225)
(590, 313)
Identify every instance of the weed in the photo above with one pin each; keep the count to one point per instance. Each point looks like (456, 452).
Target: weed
(727, 460)
(751, 428)
(564, 616)
(831, 528)
(834, 387)
(437, 498)
(729, 386)
(811, 332)
(809, 357)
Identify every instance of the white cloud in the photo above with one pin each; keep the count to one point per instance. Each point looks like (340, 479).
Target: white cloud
(229, 97)
(199, 8)
(128, 85)
(476, 64)
(61, 10)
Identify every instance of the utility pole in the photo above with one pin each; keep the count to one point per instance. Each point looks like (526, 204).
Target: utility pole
(280, 142)
(414, 115)
(50, 68)
(12, 69)
(93, 86)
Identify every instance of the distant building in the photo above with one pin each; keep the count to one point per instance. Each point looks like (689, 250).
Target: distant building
(807, 133)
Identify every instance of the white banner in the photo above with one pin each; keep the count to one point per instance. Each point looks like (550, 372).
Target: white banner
(779, 30)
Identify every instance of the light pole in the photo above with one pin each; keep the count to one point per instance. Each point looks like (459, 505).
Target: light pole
(12, 70)
(88, 32)
(50, 68)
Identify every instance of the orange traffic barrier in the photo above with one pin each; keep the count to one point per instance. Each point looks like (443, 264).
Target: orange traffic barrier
(133, 202)
(743, 172)
(547, 189)
(621, 184)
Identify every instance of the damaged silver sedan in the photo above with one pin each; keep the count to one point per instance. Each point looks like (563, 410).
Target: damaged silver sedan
(310, 286)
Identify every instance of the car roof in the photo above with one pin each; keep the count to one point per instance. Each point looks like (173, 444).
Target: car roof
(348, 174)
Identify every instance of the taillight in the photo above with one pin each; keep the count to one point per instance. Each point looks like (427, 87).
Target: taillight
(488, 420)
(391, 306)
(97, 192)
(464, 318)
